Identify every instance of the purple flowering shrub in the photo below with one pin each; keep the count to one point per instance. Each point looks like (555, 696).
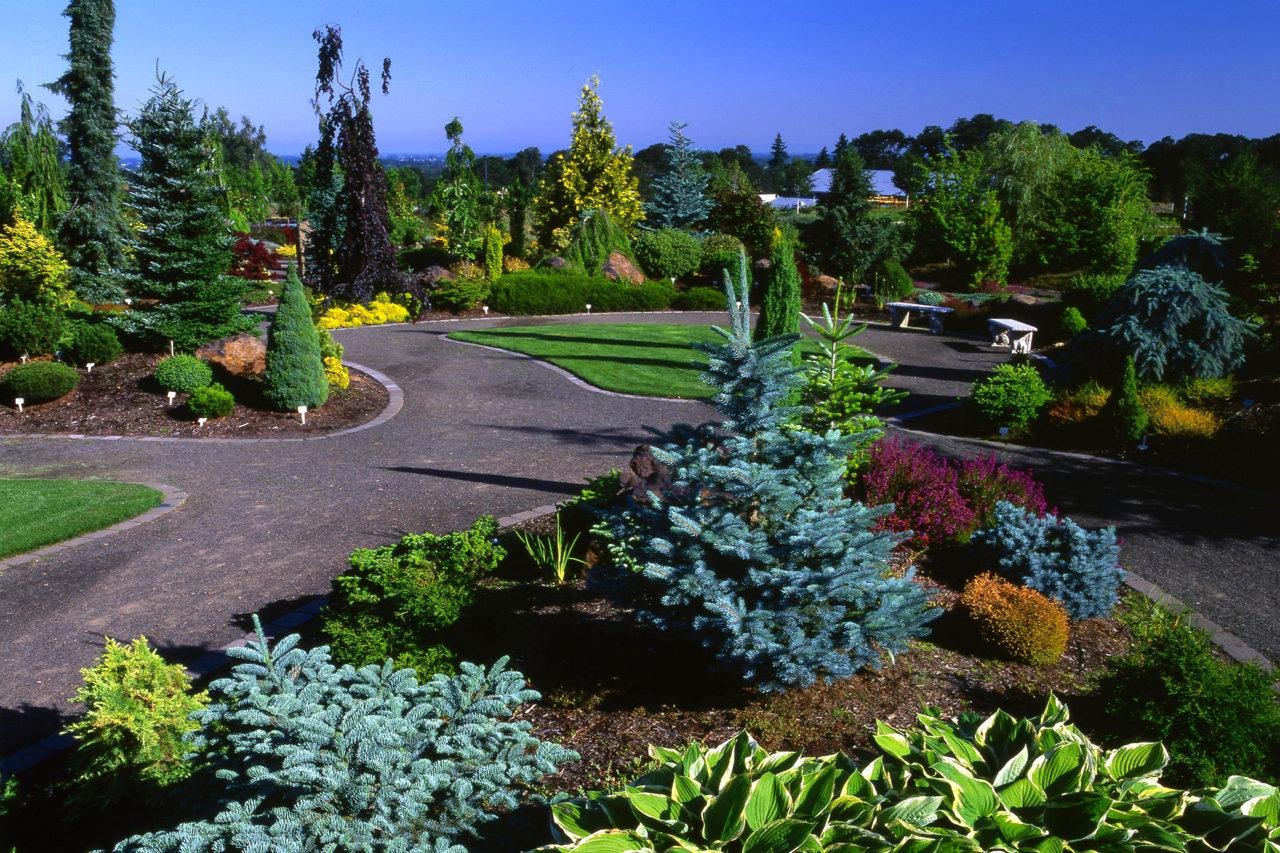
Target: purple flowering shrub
(984, 482)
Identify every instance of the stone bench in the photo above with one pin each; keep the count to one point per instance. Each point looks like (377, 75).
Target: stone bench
(1011, 333)
(900, 313)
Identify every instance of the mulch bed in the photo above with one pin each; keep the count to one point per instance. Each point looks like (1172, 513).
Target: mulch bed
(121, 398)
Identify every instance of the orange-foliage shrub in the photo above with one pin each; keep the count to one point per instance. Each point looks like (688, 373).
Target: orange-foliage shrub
(1019, 622)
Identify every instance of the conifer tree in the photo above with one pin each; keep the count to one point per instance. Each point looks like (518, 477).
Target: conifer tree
(1124, 413)
(183, 251)
(824, 159)
(842, 145)
(92, 233)
(30, 146)
(754, 546)
(780, 306)
(325, 212)
(594, 174)
(680, 194)
(778, 160)
(833, 236)
(295, 367)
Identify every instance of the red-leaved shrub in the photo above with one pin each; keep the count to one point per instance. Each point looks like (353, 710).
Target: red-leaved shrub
(983, 482)
(250, 259)
(923, 489)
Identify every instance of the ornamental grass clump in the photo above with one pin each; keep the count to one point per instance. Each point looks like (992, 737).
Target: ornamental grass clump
(965, 785)
(1054, 555)
(295, 374)
(1018, 622)
(754, 548)
(307, 755)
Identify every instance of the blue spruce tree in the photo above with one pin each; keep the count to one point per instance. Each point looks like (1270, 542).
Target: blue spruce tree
(679, 195)
(754, 546)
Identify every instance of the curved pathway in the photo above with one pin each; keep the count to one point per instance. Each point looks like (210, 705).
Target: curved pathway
(268, 525)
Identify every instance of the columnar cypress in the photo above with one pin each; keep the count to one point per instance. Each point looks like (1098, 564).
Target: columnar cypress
(780, 307)
(92, 233)
(295, 368)
(183, 251)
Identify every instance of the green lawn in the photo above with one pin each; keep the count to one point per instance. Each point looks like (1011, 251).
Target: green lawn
(649, 359)
(35, 513)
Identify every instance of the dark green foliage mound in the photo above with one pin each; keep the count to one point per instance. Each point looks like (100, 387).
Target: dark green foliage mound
(295, 371)
(1071, 321)
(1090, 291)
(891, 282)
(183, 373)
(540, 292)
(460, 294)
(395, 601)
(38, 381)
(594, 236)
(720, 253)
(701, 299)
(1218, 717)
(1123, 414)
(211, 401)
(1011, 396)
(93, 344)
(668, 253)
(29, 328)
(303, 755)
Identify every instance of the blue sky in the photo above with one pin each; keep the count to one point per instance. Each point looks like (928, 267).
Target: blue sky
(738, 72)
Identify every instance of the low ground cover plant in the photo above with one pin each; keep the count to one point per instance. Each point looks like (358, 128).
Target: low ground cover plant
(395, 601)
(40, 381)
(700, 299)
(381, 310)
(968, 784)
(460, 294)
(555, 292)
(921, 487)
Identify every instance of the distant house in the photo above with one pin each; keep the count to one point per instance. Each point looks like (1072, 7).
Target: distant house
(782, 202)
(883, 191)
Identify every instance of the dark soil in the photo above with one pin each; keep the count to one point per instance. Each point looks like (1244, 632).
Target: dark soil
(121, 398)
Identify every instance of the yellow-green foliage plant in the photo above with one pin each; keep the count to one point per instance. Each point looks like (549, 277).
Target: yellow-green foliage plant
(31, 269)
(1020, 623)
(493, 242)
(137, 711)
(593, 175)
(1169, 416)
(380, 310)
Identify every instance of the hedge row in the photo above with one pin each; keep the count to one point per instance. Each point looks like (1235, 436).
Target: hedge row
(543, 292)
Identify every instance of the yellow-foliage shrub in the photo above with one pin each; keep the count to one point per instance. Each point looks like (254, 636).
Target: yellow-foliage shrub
(1072, 406)
(31, 269)
(289, 251)
(380, 310)
(510, 264)
(1167, 415)
(336, 372)
(1021, 623)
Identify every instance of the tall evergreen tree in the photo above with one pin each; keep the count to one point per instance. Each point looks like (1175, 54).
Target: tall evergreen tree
(325, 211)
(842, 145)
(364, 261)
(832, 237)
(780, 307)
(92, 233)
(30, 147)
(183, 251)
(778, 160)
(680, 194)
(824, 159)
(754, 546)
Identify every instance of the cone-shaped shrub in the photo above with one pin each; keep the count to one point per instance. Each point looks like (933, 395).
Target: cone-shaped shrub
(295, 370)
(1125, 416)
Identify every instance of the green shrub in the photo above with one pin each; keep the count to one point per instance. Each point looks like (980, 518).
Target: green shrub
(961, 786)
(891, 282)
(1011, 396)
(701, 299)
(1089, 292)
(1208, 391)
(312, 756)
(593, 238)
(1071, 321)
(30, 328)
(719, 253)
(38, 381)
(668, 253)
(93, 344)
(493, 242)
(211, 401)
(460, 294)
(1218, 717)
(930, 297)
(395, 601)
(183, 373)
(1124, 415)
(137, 711)
(295, 368)
(542, 292)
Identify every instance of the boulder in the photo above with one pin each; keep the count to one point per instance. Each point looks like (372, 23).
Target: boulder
(555, 262)
(242, 355)
(763, 265)
(826, 285)
(1023, 299)
(619, 267)
(432, 276)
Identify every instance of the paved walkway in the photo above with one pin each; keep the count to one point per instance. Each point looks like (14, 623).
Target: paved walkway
(268, 524)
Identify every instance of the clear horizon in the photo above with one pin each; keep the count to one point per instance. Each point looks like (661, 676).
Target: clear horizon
(738, 73)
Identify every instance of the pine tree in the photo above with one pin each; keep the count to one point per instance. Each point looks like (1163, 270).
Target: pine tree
(754, 546)
(183, 251)
(824, 159)
(295, 370)
(780, 307)
(325, 212)
(778, 160)
(842, 145)
(833, 236)
(680, 194)
(30, 146)
(92, 233)
(594, 174)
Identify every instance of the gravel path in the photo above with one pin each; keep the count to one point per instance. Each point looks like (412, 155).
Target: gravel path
(268, 524)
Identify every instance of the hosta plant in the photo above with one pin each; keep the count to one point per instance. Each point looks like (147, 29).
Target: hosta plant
(1000, 784)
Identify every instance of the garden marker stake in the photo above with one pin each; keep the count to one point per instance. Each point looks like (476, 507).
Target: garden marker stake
(302, 413)
(588, 307)
(18, 401)
(88, 368)
(171, 349)
(201, 421)
(24, 358)
(172, 396)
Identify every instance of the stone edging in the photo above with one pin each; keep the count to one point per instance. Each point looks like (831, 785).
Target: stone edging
(171, 499)
(50, 746)
(395, 402)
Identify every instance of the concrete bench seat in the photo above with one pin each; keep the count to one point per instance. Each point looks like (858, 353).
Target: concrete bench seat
(1014, 334)
(900, 313)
